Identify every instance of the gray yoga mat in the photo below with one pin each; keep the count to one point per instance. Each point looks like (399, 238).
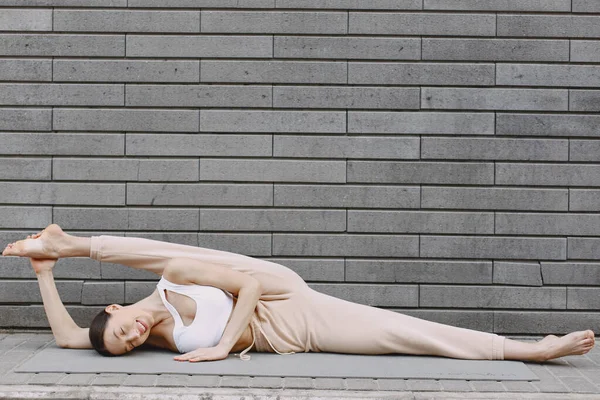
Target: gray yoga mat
(155, 361)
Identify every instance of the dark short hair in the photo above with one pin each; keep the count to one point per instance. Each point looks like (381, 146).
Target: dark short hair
(97, 329)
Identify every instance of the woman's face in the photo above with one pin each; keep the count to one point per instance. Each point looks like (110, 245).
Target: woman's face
(127, 328)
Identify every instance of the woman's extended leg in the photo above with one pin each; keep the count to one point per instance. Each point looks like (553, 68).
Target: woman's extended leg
(341, 326)
(152, 255)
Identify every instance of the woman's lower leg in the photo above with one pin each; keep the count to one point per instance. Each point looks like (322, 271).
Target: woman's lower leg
(516, 350)
(75, 246)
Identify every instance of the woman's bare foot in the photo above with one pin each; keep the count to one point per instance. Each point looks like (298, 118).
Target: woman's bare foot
(575, 343)
(44, 244)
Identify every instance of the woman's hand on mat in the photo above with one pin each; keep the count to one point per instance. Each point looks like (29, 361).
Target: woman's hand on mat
(205, 354)
(42, 264)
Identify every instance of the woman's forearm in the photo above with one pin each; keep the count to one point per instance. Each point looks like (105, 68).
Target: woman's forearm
(242, 314)
(61, 323)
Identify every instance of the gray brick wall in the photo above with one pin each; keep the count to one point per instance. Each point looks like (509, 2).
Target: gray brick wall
(439, 158)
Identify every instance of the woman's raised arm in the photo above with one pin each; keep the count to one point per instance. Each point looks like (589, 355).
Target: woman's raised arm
(66, 332)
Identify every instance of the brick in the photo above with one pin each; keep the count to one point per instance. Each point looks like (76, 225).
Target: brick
(548, 124)
(579, 385)
(140, 380)
(345, 245)
(329, 383)
(253, 245)
(272, 121)
(494, 149)
(24, 119)
(78, 379)
(583, 248)
(488, 386)
(495, 5)
(548, 174)
(423, 385)
(203, 3)
(495, 99)
(371, 48)
(26, 217)
(452, 385)
(586, 6)
(27, 291)
(298, 383)
(103, 293)
(204, 381)
(126, 21)
(96, 169)
(345, 97)
(420, 172)
(493, 247)
(235, 381)
(515, 273)
(106, 379)
(350, 196)
(422, 73)
(353, 4)
(274, 22)
(150, 219)
(361, 384)
(419, 271)
(61, 45)
(65, 3)
(314, 269)
(26, 19)
(372, 295)
(66, 268)
(420, 222)
(569, 26)
(91, 218)
(544, 323)
(62, 193)
(170, 380)
(61, 95)
(584, 200)
(274, 71)
(198, 95)
(584, 150)
(227, 219)
(492, 297)
(169, 170)
(493, 198)
(199, 145)
(136, 291)
(422, 24)
(34, 316)
(398, 385)
(203, 194)
(346, 147)
(571, 273)
(582, 298)
(548, 75)
(62, 144)
(482, 49)
(25, 168)
(584, 100)
(199, 46)
(548, 224)
(25, 70)
(129, 120)
(585, 51)
(516, 386)
(273, 170)
(126, 71)
(118, 271)
(451, 123)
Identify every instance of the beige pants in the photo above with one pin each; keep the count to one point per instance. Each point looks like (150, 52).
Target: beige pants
(296, 318)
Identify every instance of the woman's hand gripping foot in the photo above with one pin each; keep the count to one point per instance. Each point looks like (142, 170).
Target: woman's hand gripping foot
(42, 245)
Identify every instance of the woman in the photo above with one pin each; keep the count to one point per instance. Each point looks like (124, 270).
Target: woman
(210, 303)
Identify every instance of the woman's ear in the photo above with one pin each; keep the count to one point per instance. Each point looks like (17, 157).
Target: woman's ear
(112, 307)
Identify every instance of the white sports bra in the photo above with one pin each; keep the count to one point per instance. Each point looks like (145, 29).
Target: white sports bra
(213, 308)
